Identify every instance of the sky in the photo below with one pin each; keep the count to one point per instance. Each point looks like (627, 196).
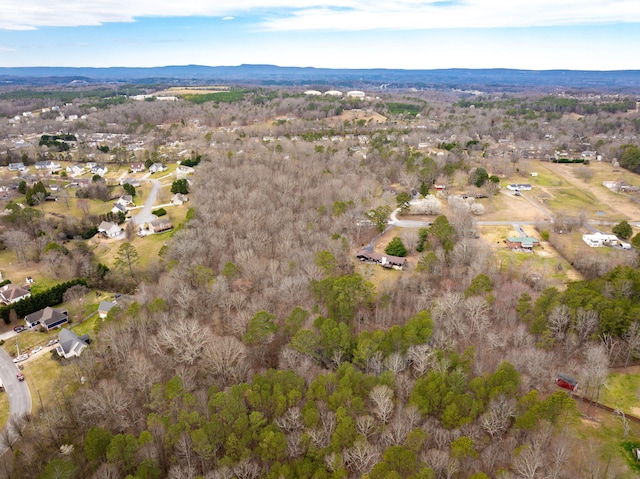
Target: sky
(407, 34)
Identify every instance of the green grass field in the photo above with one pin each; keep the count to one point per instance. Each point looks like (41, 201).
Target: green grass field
(622, 391)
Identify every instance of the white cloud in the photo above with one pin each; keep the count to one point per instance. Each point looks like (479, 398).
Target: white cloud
(227, 18)
(337, 15)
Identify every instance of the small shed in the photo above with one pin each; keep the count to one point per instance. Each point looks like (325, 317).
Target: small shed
(566, 382)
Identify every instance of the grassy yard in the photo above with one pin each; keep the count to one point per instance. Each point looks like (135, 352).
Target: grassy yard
(622, 391)
(4, 409)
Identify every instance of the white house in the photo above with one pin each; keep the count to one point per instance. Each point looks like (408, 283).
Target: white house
(53, 166)
(179, 199)
(125, 200)
(182, 171)
(109, 229)
(156, 167)
(17, 166)
(70, 344)
(99, 170)
(75, 170)
(11, 293)
(104, 308)
(598, 239)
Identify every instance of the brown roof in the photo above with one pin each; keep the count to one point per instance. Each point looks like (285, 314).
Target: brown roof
(11, 292)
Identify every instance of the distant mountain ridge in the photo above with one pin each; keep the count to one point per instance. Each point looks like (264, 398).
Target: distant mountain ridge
(496, 78)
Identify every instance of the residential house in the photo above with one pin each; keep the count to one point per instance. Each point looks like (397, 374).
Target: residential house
(70, 344)
(160, 225)
(119, 208)
(132, 181)
(597, 240)
(99, 170)
(125, 200)
(11, 293)
(49, 318)
(179, 199)
(109, 229)
(104, 308)
(157, 167)
(183, 171)
(75, 170)
(17, 166)
(41, 165)
(384, 260)
(522, 242)
(53, 166)
(137, 167)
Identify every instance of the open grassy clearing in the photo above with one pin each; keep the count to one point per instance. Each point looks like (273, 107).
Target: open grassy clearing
(506, 206)
(622, 391)
(604, 435)
(571, 246)
(4, 409)
(573, 201)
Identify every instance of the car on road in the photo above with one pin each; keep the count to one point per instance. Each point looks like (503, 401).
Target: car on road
(36, 350)
(20, 376)
(22, 357)
(51, 342)
(19, 329)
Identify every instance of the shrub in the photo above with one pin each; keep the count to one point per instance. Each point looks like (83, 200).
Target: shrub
(159, 212)
(396, 247)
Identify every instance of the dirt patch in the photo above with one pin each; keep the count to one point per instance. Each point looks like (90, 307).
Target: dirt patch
(356, 115)
(508, 207)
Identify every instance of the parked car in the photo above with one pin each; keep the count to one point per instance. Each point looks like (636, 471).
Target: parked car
(22, 357)
(19, 329)
(20, 377)
(51, 342)
(36, 349)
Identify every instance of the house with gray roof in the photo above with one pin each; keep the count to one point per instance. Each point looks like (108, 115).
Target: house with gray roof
(70, 344)
(104, 308)
(49, 318)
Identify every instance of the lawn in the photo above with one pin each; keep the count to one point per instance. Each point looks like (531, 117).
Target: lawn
(622, 391)
(572, 200)
(4, 408)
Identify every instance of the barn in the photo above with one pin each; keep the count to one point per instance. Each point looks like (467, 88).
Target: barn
(566, 382)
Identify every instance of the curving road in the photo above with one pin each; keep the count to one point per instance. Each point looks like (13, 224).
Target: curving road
(18, 392)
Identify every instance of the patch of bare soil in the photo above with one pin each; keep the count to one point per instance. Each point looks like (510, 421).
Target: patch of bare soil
(508, 207)
(356, 114)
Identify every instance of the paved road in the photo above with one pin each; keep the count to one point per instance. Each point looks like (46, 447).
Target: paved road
(18, 392)
(145, 215)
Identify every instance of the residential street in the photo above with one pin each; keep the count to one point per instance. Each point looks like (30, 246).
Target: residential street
(18, 392)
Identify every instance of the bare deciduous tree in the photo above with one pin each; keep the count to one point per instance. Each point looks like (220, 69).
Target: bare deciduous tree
(226, 357)
(382, 398)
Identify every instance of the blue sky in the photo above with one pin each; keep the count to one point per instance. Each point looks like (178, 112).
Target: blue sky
(410, 34)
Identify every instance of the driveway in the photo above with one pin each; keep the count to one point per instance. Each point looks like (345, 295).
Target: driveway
(18, 392)
(145, 215)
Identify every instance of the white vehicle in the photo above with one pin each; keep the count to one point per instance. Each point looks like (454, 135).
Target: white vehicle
(36, 349)
(22, 357)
